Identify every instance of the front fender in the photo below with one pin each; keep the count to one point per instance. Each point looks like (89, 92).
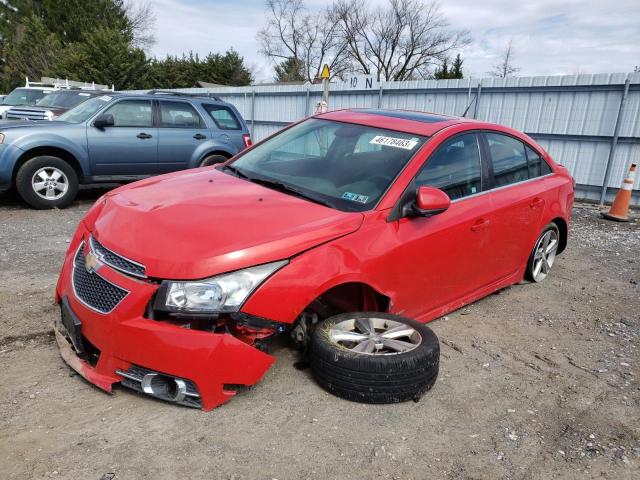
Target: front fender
(29, 142)
(287, 293)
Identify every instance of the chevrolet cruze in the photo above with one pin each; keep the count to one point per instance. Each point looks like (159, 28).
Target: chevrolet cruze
(347, 231)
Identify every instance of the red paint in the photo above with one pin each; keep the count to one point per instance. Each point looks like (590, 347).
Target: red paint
(200, 223)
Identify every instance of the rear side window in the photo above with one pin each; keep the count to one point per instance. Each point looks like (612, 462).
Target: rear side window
(537, 165)
(509, 159)
(223, 117)
(454, 167)
(178, 115)
(131, 113)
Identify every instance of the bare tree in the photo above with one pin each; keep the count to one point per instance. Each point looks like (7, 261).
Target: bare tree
(402, 40)
(294, 35)
(142, 20)
(505, 68)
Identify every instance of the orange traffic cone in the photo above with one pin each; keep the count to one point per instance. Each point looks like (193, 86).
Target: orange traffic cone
(620, 207)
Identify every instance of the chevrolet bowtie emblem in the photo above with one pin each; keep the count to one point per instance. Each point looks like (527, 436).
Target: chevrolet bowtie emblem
(91, 263)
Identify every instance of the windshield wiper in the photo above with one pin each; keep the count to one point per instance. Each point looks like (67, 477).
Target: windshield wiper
(236, 172)
(283, 187)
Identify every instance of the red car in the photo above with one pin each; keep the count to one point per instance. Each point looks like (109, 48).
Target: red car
(348, 231)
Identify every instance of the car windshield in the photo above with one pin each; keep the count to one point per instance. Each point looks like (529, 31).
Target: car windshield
(85, 110)
(24, 96)
(63, 99)
(341, 165)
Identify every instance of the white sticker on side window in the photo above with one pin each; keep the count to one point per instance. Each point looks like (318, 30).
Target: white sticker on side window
(105, 98)
(394, 142)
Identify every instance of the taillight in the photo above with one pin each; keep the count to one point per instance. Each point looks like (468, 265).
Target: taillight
(247, 140)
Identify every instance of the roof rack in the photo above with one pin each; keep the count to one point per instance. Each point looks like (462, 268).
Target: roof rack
(57, 83)
(184, 94)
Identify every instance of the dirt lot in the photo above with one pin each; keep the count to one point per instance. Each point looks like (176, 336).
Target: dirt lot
(538, 381)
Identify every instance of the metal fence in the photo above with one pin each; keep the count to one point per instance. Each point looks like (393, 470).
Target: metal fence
(589, 123)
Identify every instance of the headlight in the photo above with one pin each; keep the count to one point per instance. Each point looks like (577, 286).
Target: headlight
(1, 137)
(223, 293)
(49, 115)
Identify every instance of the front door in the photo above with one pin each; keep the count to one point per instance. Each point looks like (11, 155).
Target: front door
(130, 147)
(440, 260)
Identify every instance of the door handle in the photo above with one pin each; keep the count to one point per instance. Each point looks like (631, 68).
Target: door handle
(536, 202)
(143, 136)
(480, 224)
(199, 136)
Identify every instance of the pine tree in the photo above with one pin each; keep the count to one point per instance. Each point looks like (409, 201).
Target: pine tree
(443, 73)
(290, 70)
(456, 68)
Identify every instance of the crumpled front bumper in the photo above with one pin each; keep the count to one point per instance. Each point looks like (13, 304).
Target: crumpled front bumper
(123, 339)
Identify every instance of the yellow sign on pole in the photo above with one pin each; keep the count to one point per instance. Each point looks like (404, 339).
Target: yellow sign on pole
(325, 72)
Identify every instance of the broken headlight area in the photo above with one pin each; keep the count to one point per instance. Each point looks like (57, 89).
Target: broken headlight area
(219, 294)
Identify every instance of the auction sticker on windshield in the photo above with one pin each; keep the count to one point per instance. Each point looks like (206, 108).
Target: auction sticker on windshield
(354, 197)
(105, 98)
(393, 142)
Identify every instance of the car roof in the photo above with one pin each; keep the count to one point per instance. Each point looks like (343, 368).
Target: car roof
(169, 96)
(419, 123)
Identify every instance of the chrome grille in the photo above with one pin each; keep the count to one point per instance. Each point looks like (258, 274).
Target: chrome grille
(26, 114)
(93, 290)
(116, 261)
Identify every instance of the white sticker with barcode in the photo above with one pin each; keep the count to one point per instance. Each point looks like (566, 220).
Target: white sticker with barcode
(393, 142)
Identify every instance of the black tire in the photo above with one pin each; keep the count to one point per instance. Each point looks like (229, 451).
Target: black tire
(531, 262)
(27, 191)
(374, 378)
(212, 160)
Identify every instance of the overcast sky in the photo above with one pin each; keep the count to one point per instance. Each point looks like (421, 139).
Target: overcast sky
(550, 37)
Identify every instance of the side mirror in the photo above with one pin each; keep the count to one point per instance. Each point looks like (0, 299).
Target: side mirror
(430, 201)
(104, 120)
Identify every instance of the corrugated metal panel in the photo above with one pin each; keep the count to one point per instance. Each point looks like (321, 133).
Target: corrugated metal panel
(582, 108)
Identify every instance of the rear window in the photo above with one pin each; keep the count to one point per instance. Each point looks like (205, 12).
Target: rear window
(223, 117)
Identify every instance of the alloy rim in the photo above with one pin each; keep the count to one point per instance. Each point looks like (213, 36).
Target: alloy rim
(50, 183)
(375, 336)
(544, 255)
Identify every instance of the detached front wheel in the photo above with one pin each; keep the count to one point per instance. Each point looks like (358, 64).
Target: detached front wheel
(374, 357)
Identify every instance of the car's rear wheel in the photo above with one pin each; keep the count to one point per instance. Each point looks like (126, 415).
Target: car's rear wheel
(47, 182)
(212, 160)
(374, 357)
(544, 253)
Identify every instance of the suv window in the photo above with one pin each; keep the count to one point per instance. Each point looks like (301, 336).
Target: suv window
(537, 165)
(178, 115)
(454, 168)
(131, 113)
(509, 159)
(223, 117)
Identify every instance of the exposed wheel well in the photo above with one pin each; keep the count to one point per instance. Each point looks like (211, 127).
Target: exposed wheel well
(562, 227)
(53, 151)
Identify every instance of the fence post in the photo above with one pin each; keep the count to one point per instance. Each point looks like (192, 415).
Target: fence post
(380, 97)
(614, 142)
(475, 107)
(306, 107)
(253, 111)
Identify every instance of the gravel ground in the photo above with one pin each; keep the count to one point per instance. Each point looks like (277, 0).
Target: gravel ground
(537, 381)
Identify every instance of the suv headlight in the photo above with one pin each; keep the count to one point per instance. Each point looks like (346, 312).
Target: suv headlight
(49, 115)
(219, 294)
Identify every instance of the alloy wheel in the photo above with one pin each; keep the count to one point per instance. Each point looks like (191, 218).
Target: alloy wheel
(544, 255)
(375, 336)
(50, 183)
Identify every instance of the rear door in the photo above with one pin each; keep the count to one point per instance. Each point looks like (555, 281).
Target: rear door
(181, 131)
(518, 198)
(130, 147)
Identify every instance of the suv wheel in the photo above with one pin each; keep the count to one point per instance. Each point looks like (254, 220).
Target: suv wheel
(212, 160)
(47, 182)
(374, 357)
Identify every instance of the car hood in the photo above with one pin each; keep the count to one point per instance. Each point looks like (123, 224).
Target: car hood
(205, 222)
(11, 124)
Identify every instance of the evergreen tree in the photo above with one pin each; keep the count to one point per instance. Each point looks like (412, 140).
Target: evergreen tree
(443, 73)
(290, 70)
(456, 68)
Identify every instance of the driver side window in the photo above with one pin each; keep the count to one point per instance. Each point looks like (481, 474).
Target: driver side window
(454, 168)
(131, 113)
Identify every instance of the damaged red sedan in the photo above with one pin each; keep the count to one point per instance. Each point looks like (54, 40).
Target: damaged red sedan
(347, 231)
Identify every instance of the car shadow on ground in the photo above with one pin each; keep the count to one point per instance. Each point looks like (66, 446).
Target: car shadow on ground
(87, 193)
